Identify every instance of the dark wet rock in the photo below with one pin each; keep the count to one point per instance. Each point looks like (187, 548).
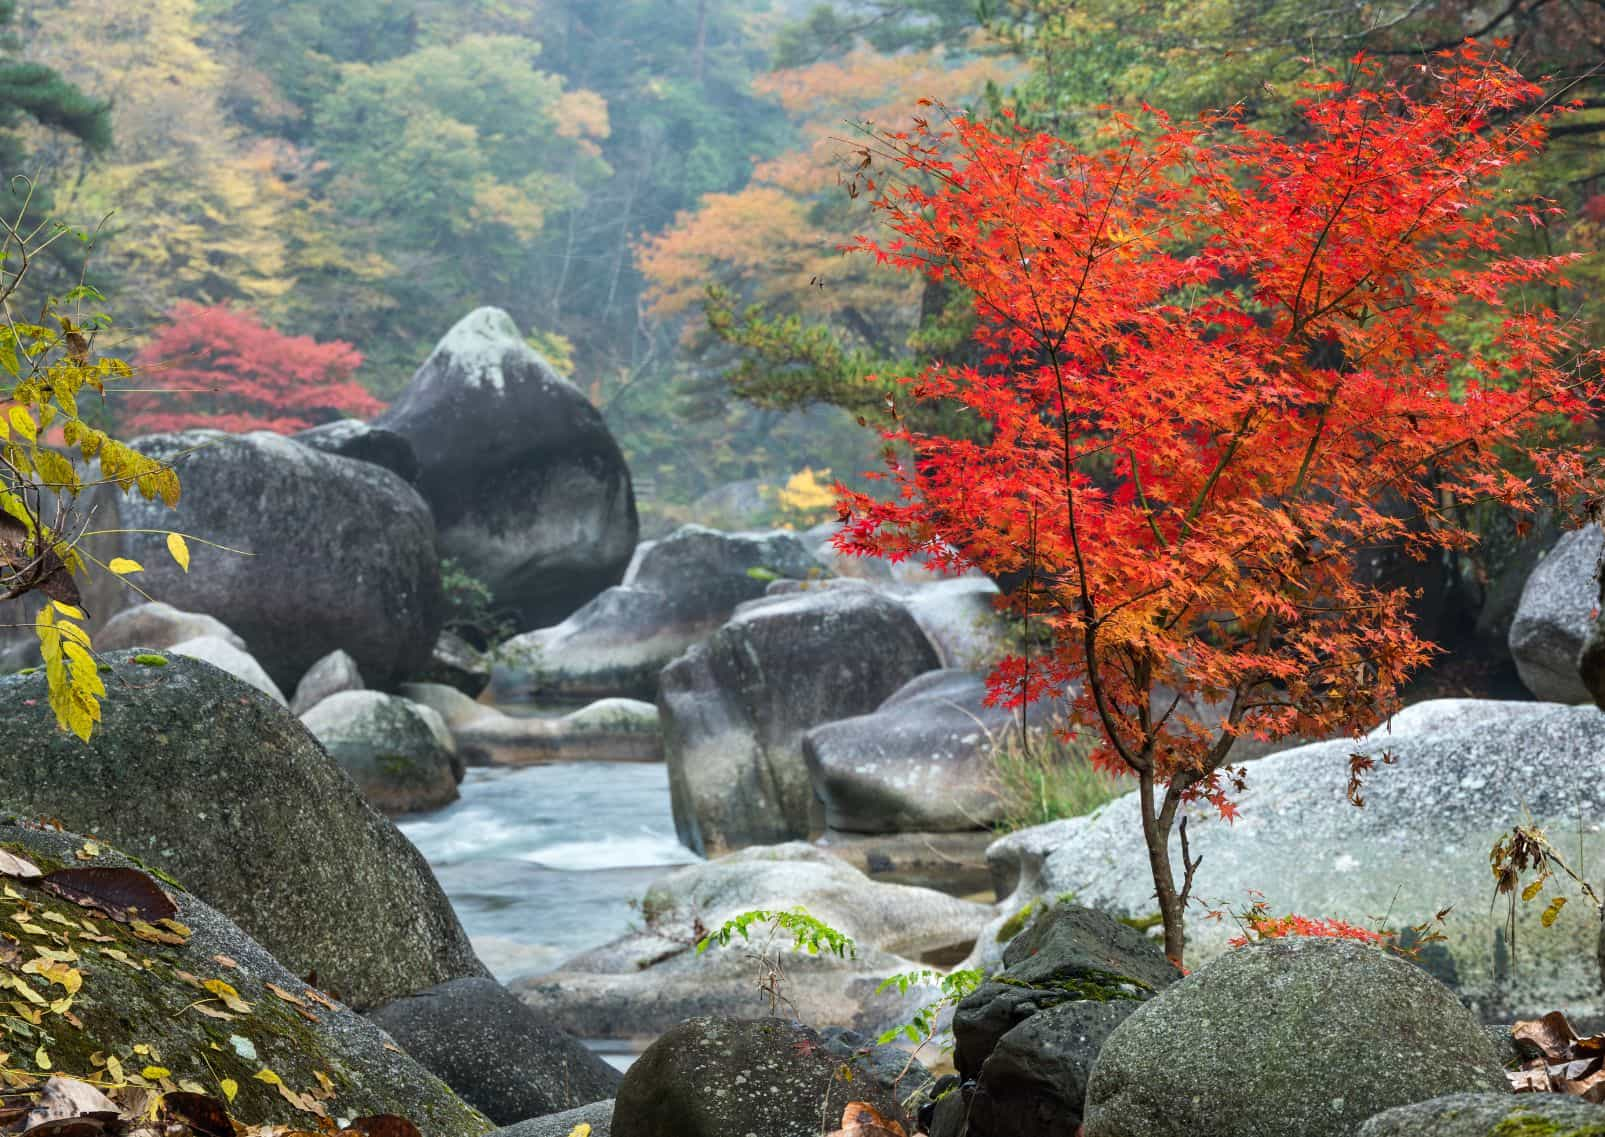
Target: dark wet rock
(342, 552)
(1556, 616)
(496, 1053)
(528, 487)
(352, 438)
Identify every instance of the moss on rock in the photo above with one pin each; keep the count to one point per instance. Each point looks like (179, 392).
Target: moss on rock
(143, 1004)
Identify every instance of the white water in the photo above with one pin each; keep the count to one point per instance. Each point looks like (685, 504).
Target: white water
(541, 862)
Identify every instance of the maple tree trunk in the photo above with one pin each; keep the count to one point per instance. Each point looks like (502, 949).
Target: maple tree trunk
(1157, 837)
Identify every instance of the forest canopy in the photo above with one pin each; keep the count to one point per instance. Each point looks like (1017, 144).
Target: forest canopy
(656, 190)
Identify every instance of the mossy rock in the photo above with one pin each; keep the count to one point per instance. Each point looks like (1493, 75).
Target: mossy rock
(1491, 1115)
(142, 1003)
(206, 778)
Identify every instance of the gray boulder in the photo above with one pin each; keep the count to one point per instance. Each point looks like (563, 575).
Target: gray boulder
(676, 592)
(652, 978)
(205, 778)
(342, 553)
(960, 617)
(608, 730)
(1298, 1035)
(598, 1115)
(527, 486)
(398, 753)
(330, 675)
(495, 1052)
(353, 438)
(1555, 617)
(921, 761)
(712, 1077)
(158, 625)
(1464, 772)
(226, 657)
(735, 708)
(1490, 1115)
(140, 993)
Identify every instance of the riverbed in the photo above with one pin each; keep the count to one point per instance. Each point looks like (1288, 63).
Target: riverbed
(543, 862)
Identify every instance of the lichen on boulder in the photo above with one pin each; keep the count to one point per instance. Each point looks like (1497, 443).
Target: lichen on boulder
(190, 1003)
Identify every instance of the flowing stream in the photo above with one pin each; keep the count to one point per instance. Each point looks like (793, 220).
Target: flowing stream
(542, 862)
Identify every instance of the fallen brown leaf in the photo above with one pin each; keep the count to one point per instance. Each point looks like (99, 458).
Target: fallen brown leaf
(125, 895)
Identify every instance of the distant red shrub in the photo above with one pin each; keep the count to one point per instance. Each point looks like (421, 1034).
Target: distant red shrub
(220, 367)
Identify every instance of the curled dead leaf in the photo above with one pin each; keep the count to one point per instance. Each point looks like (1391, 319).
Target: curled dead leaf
(122, 894)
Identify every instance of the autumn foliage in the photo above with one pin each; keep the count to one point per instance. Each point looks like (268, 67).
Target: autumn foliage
(1215, 367)
(223, 368)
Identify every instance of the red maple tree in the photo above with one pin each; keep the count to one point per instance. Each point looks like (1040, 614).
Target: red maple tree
(221, 367)
(1216, 366)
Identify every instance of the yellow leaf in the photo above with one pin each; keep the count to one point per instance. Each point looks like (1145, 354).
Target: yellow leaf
(231, 997)
(583, 1129)
(268, 1076)
(179, 548)
(69, 610)
(41, 1058)
(122, 566)
(229, 1087)
(155, 1073)
(22, 422)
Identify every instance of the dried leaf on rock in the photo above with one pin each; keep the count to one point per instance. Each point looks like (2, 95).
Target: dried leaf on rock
(122, 894)
(19, 867)
(382, 1125)
(860, 1119)
(68, 1097)
(1557, 1060)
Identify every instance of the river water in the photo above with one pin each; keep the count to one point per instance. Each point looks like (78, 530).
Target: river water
(542, 862)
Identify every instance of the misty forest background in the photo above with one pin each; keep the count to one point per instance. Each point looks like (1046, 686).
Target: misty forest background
(370, 170)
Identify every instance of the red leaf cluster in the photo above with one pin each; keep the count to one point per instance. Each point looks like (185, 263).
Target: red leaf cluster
(1216, 366)
(220, 367)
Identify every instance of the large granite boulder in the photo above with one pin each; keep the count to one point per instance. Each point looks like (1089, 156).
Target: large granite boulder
(712, 1077)
(677, 591)
(341, 552)
(353, 438)
(142, 997)
(735, 708)
(495, 1052)
(209, 780)
(921, 761)
(1555, 617)
(157, 625)
(653, 977)
(1299, 1035)
(528, 488)
(400, 754)
(1490, 1115)
(960, 616)
(1463, 772)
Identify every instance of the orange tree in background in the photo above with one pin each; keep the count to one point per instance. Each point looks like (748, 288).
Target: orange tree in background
(1210, 356)
(223, 368)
